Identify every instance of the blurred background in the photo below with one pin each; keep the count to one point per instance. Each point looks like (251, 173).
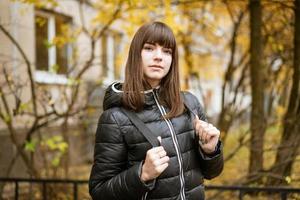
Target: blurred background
(240, 58)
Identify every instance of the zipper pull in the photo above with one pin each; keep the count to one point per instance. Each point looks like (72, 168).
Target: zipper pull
(159, 139)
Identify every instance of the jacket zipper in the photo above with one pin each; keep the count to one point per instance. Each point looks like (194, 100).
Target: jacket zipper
(145, 196)
(176, 145)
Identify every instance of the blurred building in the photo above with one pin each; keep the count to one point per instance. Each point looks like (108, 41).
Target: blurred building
(56, 47)
(47, 39)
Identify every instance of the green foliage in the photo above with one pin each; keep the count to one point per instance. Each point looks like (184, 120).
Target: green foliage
(7, 118)
(55, 161)
(54, 68)
(23, 107)
(56, 143)
(73, 81)
(57, 146)
(48, 44)
(30, 145)
(40, 21)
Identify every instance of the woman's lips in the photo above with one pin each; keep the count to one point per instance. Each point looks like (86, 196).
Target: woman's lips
(156, 66)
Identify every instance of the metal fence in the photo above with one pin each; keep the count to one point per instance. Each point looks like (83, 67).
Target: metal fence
(242, 190)
(44, 183)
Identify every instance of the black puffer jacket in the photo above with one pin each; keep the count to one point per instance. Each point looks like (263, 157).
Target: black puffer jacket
(120, 150)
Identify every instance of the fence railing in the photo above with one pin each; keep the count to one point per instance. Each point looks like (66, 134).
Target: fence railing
(44, 183)
(283, 191)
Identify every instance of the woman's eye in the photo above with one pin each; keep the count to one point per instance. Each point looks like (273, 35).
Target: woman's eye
(148, 48)
(168, 51)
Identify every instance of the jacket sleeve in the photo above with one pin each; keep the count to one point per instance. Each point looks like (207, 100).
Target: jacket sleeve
(211, 165)
(110, 177)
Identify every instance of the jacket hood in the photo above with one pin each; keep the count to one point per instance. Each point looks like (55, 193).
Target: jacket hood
(113, 96)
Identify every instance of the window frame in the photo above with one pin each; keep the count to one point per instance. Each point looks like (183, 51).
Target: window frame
(46, 76)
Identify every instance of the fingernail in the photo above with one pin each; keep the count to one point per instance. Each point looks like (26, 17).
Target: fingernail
(159, 139)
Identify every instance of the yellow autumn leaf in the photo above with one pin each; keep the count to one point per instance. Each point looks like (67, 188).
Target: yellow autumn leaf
(280, 111)
(288, 179)
(91, 111)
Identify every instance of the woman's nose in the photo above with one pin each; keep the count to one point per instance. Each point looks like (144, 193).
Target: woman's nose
(158, 55)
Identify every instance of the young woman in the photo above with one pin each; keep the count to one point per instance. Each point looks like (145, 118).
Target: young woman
(125, 164)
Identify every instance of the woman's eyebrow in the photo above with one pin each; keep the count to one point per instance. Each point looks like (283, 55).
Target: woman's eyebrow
(149, 43)
(154, 44)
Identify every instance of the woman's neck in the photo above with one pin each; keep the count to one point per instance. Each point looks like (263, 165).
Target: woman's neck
(153, 83)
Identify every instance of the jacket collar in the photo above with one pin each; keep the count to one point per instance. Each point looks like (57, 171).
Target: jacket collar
(115, 89)
(114, 93)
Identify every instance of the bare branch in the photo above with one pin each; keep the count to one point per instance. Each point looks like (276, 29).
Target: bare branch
(230, 67)
(242, 142)
(12, 39)
(82, 19)
(10, 85)
(8, 115)
(113, 18)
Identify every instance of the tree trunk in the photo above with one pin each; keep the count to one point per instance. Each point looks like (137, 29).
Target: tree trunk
(257, 72)
(290, 140)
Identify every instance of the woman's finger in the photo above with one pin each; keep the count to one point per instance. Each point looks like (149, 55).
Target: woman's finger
(202, 136)
(198, 128)
(162, 167)
(162, 154)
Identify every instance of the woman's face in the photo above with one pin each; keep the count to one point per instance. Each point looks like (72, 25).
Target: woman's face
(156, 62)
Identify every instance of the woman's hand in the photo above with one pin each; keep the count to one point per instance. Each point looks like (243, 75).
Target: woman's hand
(155, 163)
(208, 135)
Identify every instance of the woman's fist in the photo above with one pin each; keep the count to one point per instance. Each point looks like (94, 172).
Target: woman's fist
(155, 163)
(208, 135)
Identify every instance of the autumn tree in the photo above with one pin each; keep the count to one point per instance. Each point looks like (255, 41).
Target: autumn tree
(235, 75)
(290, 140)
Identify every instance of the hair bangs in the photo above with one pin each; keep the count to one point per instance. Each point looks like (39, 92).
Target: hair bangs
(161, 34)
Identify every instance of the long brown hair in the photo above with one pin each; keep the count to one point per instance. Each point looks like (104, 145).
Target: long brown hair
(135, 82)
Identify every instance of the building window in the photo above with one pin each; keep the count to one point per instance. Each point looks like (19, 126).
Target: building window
(104, 55)
(50, 56)
(110, 48)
